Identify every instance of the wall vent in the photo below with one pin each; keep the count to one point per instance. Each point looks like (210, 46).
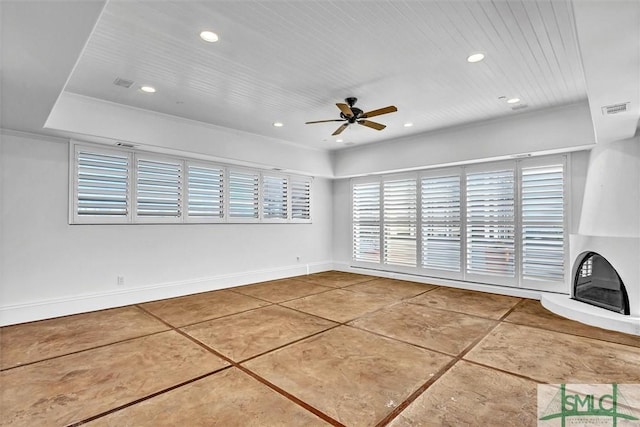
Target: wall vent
(614, 109)
(123, 82)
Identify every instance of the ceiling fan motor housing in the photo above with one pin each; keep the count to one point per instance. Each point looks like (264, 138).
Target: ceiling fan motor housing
(357, 114)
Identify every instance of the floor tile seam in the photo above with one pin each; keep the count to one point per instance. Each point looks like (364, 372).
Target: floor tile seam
(512, 322)
(86, 349)
(361, 329)
(309, 314)
(458, 312)
(398, 410)
(166, 322)
(631, 347)
(504, 371)
(197, 342)
(291, 397)
(264, 381)
(416, 393)
(257, 377)
(481, 338)
(149, 396)
(378, 293)
(292, 299)
(290, 343)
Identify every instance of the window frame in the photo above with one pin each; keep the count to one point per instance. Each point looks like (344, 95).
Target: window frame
(204, 219)
(132, 217)
(544, 285)
(237, 219)
(435, 173)
(495, 279)
(515, 165)
(400, 177)
(365, 264)
(74, 217)
(152, 157)
(308, 181)
(262, 194)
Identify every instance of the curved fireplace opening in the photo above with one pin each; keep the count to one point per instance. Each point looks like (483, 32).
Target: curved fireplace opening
(598, 283)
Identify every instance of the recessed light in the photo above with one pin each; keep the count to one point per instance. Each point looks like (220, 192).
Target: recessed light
(278, 124)
(209, 36)
(408, 124)
(476, 57)
(148, 89)
(513, 100)
(339, 140)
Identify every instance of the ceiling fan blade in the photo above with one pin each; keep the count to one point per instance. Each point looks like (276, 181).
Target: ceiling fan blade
(380, 111)
(340, 129)
(346, 110)
(324, 121)
(373, 125)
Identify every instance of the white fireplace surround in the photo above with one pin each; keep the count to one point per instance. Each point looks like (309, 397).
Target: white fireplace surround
(609, 226)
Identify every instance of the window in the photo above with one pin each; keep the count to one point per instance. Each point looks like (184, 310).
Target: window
(543, 222)
(102, 185)
(300, 199)
(205, 192)
(126, 186)
(441, 226)
(366, 222)
(274, 197)
(243, 194)
(158, 189)
(400, 222)
(500, 223)
(491, 223)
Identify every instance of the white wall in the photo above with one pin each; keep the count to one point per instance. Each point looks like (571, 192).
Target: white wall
(50, 268)
(103, 121)
(612, 199)
(551, 130)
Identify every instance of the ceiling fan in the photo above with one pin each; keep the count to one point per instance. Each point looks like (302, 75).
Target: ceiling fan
(351, 114)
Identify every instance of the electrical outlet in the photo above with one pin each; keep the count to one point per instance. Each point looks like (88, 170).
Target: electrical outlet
(120, 280)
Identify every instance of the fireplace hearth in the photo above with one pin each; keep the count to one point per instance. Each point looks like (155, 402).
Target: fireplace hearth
(598, 283)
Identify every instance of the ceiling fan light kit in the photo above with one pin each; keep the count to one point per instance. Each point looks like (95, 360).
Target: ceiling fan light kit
(350, 115)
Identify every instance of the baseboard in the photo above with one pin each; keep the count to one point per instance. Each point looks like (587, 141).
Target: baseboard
(472, 286)
(56, 307)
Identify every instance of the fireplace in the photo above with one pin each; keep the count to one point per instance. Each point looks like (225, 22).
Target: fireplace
(603, 286)
(596, 282)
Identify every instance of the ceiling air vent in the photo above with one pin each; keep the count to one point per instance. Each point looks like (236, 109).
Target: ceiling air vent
(123, 82)
(614, 109)
(124, 144)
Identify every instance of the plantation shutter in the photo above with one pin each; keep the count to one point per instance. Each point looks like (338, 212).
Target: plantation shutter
(158, 188)
(274, 197)
(300, 199)
(366, 222)
(491, 223)
(102, 184)
(543, 223)
(440, 212)
(243, 194)
(400, 222)
(205, 187)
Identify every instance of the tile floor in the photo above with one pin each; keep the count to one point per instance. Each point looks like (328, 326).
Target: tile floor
(324, 349)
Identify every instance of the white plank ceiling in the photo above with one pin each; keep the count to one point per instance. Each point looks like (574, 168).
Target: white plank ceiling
(291, 61)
